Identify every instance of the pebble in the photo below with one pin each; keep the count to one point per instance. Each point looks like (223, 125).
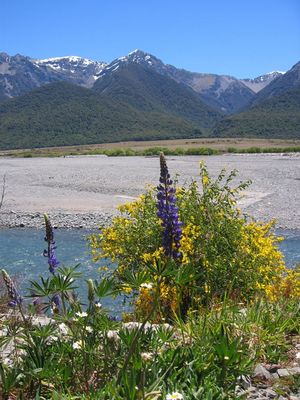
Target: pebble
(11, 219)
(261, 372)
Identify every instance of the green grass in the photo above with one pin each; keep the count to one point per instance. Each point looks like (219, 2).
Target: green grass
(152, 151)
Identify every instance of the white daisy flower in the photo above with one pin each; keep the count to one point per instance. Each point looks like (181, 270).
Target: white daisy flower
(147, 356)
(146, 285)
(174, 395)
(81, 314)
(77, 345)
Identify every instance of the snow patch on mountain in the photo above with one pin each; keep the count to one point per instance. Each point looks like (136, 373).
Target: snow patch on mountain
(260, 82)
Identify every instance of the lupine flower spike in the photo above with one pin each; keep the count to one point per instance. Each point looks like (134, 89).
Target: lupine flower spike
(14, 296)
(168, 212)
(50, 252)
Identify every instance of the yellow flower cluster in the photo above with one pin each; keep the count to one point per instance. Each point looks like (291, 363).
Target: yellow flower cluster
(190, 233)
(144, 302)
(168, 301)
(260, 249)
(287, 286)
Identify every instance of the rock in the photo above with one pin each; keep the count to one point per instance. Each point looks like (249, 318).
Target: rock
(283, 372)
(260, 372)
(270, 393)
(21, 225)
(272, 367)
(294, 371)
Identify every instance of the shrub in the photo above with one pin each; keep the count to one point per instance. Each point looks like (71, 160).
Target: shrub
(221, 251)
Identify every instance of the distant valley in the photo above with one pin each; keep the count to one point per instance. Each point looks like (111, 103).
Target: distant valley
(71, 100)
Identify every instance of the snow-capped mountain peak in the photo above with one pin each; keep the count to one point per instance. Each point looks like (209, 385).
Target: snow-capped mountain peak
(262, 81)
(84, 70)
(64, 62)
(134, 57)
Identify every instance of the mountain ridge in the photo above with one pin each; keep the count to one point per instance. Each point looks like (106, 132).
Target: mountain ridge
(20, 74)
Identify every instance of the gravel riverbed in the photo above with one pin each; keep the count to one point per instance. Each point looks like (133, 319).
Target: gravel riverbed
(84, 191)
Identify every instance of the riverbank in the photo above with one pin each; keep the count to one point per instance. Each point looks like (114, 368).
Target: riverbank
(84, 191)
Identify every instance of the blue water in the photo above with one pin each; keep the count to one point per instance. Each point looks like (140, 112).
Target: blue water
(21, 254)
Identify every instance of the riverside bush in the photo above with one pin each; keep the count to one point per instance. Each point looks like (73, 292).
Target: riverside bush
(221, 251)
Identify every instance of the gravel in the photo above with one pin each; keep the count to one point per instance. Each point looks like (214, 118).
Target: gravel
(84, 191)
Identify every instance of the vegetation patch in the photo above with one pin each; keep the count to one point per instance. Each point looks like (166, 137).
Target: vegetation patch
(210, 296)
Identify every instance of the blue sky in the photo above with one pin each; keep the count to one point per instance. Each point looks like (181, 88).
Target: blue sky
(243, 38)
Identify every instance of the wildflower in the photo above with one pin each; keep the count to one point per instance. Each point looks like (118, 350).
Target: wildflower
(174, 395)
(98, 305)
(147, 356)
(7, 362)
(13, 294)
(226, 358)
(63, 328)
(148, 286)
(89, 329)
(77, 345)
(168, 212)
(113, 335)
(127, 289)
(52, 339)
(50, 253)
(81, 314)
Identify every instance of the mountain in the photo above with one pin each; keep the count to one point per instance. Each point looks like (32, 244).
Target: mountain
(61, 114)
(273, 112)
(139, 85)
(20, 74)
(259, 83)
(280, 85)
(73, 100)
(275, 117)
(77, 70)
(224, 93)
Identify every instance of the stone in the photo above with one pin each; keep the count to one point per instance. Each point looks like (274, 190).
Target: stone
(294, 371)
(270, 393)
(282, 372)
(261, 372)
(272, 367)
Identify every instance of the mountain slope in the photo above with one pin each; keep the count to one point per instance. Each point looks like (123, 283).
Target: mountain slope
(280, 85)
(147, 90)
(64, 114)
(275, 117)
(259, 83)
(224, 93)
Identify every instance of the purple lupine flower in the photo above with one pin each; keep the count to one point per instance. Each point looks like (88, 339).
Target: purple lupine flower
(14, 297)
(50, 252)
(168, 212)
